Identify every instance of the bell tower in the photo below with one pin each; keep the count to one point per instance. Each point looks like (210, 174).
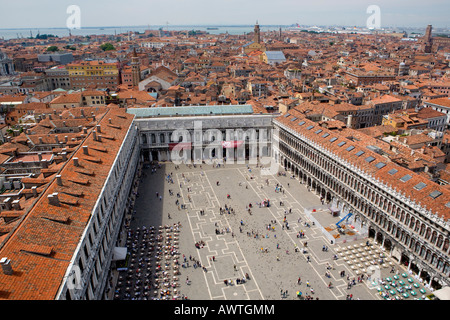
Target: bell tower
(135, 70)
(257, 35)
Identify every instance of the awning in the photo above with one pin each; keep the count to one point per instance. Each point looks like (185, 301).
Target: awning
(180, 146)
(443, 293)
(231, 144)
(119, 253)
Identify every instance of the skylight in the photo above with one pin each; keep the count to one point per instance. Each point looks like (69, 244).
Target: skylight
(405, 178)
(392, 171)
(333, 139)
(370, 159)
(420, 186)
(340, 144)
(286, 115)
(435, 194)
(301, 123)
(380, 165)
(326, 134)
(318, 131)
(309, 127)
(350, 148)
(293, 119)
(360, 153)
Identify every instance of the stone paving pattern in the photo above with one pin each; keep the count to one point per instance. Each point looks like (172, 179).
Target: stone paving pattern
(235, 252)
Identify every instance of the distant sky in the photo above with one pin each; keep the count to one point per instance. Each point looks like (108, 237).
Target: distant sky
(52, 13)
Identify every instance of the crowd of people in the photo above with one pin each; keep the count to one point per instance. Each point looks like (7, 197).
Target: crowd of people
(152, 266)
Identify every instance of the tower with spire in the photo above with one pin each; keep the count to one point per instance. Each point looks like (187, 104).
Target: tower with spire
(135, 69)
(257, 35)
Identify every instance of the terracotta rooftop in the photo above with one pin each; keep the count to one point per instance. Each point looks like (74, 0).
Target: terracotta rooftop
(365, 156)
(42, 245)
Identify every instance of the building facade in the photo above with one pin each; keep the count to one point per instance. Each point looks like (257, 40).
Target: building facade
(407, 217)
(203, 132)
(97, 74)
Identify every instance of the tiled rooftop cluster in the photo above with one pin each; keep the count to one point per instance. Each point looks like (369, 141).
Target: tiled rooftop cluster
(49, 213)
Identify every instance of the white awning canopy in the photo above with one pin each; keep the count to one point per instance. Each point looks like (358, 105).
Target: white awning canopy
(443, 293)
(120, 253)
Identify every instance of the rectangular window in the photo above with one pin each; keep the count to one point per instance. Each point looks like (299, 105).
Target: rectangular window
(360, 153)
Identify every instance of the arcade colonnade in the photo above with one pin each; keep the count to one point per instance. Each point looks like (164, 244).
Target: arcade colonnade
(402, 228)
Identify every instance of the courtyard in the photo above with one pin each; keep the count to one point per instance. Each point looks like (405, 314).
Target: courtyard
(231, 246)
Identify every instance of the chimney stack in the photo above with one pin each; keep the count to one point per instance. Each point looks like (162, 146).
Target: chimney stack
(7, 203)
(16, 204)
(40, 156)
(59, 180)
(34, 189)
(99, 128)
(40, 140)
(6, 266)
(85, 150)
(75, 162)
(53, 199)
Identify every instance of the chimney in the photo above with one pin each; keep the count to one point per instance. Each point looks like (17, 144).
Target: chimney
(16, 204)
(44, 163)
(75, 162)
(40, 140)
(34, 189)
(6, 266)
(66, 139)
(85, 130)
(7, 203)
(110, 120)
(53, 199)
(85, 150)
(59, 180)
(82, 113)
(56, 139)
(99, 138)
(40, 156)
(99, 128)
(95, 135)
(64, 156)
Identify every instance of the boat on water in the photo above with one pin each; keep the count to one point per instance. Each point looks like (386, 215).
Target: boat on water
(212, 28)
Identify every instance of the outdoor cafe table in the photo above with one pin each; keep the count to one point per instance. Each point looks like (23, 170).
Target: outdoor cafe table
(404, 275)
(396, 277)
(410, 280)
